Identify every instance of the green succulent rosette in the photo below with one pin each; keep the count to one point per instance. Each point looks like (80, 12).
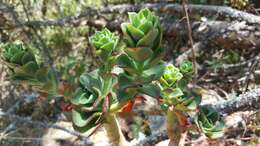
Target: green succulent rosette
(143, 36)
(180, 100)
(92, 87)
(141, 58)
(83, 121)
(210, 122)
(143, 30)
(26, 69)
(105, 43)
(186, 67)
(170, 76)
(173, 94)
(15, 55)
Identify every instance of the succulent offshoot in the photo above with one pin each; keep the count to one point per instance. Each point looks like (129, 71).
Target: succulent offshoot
(25, 69)
(170, 76)
(105, 42)
(174, 91)
(143, 35)
(17, 55)
(143, 30)
(210, 122)
(186, 67)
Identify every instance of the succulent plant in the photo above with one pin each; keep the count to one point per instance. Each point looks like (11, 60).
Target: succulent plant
(26, 69)
(210, 122)
(141, 58)
(186, 67)
(170, 76)
(143, 30)
(89, 100)
(143, 36)
(179, 99)
(173, 88)
(96, 97)
(16, 55)
(105, 42)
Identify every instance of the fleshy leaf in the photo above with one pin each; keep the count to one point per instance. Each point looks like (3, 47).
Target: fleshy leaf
(145, 27)
(175, 93)
(156, 70)
(210, 122)
(41, 74)
(30, 68)
(151, 89)
(126, 94)
(27, 57)
(125, 81)
(81, 97)
(81, 119)
(139, 53)
(127, 63)
(148, 39)
(128, 37)
(17, 58)
(134, 32)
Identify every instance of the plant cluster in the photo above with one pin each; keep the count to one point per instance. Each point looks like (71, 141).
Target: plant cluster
(25, 68)
(124, 72)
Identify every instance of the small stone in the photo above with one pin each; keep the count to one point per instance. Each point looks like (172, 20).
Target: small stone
(257, 33)
(251, 28)
(244, 33)
(202, 28)
(222, 30)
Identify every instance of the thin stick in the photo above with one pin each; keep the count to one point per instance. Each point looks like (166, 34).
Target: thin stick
(185, 7)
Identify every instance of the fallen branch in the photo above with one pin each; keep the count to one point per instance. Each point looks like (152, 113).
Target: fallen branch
(244, 102)
(222, 12)
(220, 33)
(249, 100)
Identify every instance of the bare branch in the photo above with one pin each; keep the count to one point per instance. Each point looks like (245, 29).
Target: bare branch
(185, 7)
(202, 10)
(244, 102)
(222, 12)
(249, 100)
(219, 33)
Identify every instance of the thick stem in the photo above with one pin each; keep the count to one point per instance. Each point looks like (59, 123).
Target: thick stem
(174, 127)
(113, 130)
